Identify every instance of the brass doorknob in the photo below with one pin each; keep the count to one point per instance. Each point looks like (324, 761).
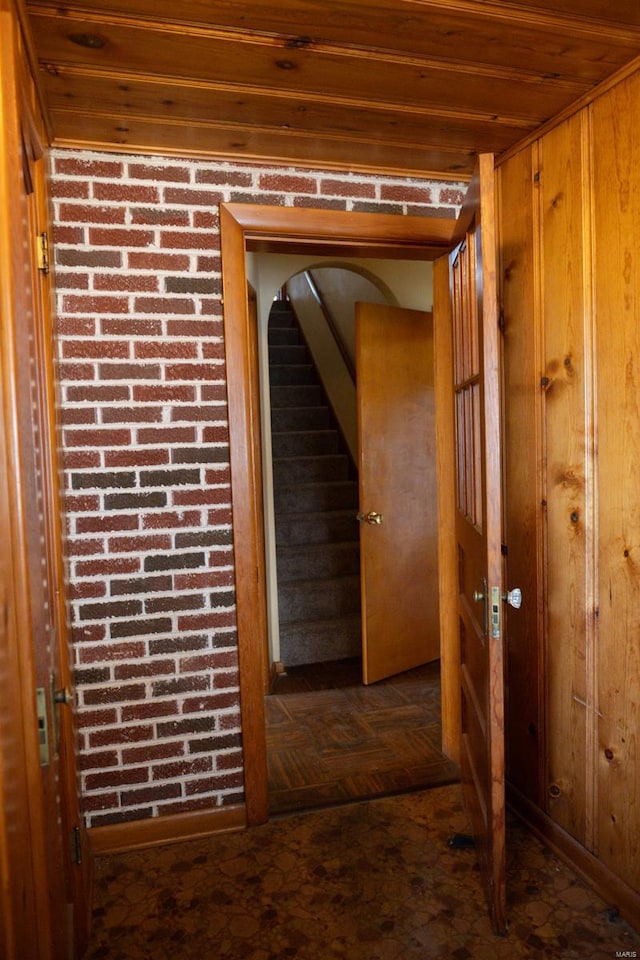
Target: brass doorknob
(63, 696)
(371, 517)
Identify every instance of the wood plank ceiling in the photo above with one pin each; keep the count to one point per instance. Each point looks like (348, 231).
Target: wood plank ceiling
(391, 86)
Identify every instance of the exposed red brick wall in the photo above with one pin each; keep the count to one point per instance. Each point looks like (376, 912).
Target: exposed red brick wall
(145, 448)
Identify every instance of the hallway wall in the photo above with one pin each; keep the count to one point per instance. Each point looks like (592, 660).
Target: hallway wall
(145, 445)
(570, 289)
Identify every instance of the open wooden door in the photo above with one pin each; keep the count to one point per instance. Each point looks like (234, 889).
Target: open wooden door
(479, 529)
(44, 886)
(397, 478)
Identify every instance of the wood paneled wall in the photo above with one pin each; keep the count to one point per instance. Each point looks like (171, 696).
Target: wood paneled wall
(570, 291)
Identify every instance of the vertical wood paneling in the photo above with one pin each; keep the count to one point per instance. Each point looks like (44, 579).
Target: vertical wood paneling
(522, 439)
(616, 139)
(565, 361)
(570, 283)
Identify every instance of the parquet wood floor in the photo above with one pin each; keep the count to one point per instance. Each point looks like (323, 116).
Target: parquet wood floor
(332, 740)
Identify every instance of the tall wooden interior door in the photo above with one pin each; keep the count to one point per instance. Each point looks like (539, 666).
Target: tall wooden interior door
(43, 568)
(479, 529)
(49, 894)
(397, 479)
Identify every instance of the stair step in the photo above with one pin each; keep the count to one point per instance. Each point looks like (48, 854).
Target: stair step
(299, 562)
(330, 526)
(337, 639)
(298, 396)
(288, 470)
(316, 497)
(284, 419)
(319, 599)
(288, 353)
(283, 336)
(281, 313)
(292, 443)
(292, 374)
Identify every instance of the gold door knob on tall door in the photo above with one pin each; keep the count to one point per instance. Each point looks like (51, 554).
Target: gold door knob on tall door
(371, 517)
(63, 696)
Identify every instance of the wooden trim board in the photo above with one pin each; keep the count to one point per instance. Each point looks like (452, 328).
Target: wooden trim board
(592, 871)
(138, 834)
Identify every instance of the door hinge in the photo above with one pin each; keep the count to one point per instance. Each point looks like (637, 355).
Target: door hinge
(43, 252)
(501, 321)
(76, 845)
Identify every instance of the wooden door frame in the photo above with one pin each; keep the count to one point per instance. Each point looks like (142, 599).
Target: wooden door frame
(251, 227)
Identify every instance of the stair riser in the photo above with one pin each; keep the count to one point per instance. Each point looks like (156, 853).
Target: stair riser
(317, 528)
(299, 418)
(287, 353)
(304, 443)
(281, 336)
(281, 314)
(316, 497)
(310, 600)
(305, 396)
(291, 374)
(327, 560)
(318, 642)
(310, 469)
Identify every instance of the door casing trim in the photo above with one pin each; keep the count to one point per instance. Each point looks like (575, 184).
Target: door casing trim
(253, 227)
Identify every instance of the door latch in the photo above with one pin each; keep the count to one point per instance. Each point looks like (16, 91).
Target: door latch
(43, 725)
(59, 697)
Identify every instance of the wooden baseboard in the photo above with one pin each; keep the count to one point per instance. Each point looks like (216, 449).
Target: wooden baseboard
(614, 891)
(135, 834)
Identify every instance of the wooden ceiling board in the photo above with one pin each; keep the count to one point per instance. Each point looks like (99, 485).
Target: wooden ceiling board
(552, 47)
(259, 144)
(379, 85)
(73, 89)
(318, 72)
(625, 13)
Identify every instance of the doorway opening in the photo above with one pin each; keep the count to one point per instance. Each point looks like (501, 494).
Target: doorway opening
(247, 229)
(329, 738)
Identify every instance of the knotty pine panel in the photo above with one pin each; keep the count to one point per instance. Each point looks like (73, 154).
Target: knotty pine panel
(568, 467)
(616, 219)
(257, 143)
(522, 439)
(549, 45)
(624, 12)
(69, 88)
(265, 62)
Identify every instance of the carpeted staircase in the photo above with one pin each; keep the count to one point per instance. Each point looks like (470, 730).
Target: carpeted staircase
(316, 500)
